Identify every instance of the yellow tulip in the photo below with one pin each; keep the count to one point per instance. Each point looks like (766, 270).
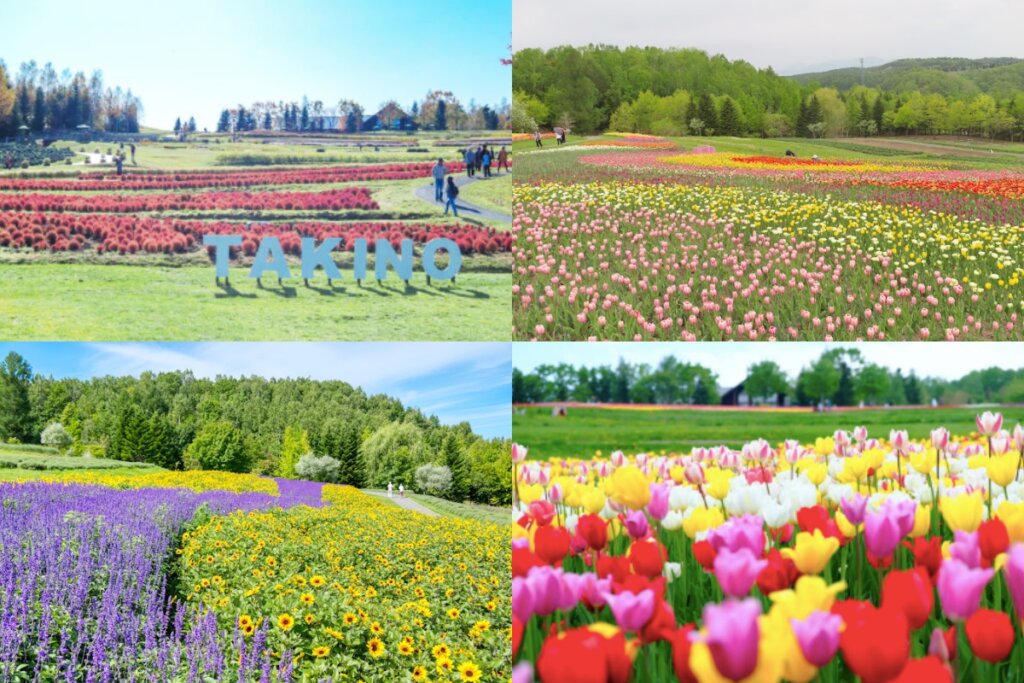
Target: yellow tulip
(925, 462)
(845, 526)
(718, 482)
(678, 474)
(630, 487)
(1002, 469)
(922, 521)
(1012, 515)
(962, 513)
(808, 594)
(817, 473)
(702, 519)
(530, 492)
(592, 500)
(812, 551)
(855, 467)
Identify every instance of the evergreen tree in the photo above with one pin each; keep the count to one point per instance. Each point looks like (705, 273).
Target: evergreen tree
(729, 120)
(622, 382)
(131, 439)
(39, 111)
(241, 118)
(351, 123)
(802, 121)
(353, 469)
(304, 120)
(454, 459)
(706, 113)
(223, 123)
(912, 389)
(844, 395)
(15, 407)
(267, 122)
(441, 116)
(877, 111)
(814, 113)
(192, 124)
(177, 125)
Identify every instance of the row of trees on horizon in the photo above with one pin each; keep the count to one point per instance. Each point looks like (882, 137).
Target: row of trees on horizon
(41, 98)
(840, 377)
(178, 421)
(682, 92)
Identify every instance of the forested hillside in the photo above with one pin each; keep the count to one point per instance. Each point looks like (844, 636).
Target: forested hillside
(177, 420)
(686, 91)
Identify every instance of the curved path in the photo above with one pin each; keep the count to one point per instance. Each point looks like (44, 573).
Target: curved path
(466, 210)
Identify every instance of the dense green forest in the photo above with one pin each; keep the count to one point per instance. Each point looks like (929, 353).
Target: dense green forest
(686, 91)
(176, 420)
(839, 376)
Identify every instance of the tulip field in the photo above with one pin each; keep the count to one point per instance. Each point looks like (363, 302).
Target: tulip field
(111, 256)
(879, 557)
(632, 237)
(208, 576)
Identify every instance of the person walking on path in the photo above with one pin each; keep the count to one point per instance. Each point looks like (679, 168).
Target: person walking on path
(536, 138)
(401, 491)
(438, 172)
(478, 159)
(119, 160)
(487, 162)
(453, 192)
(390, 494)
(469, 158)
(503, 160)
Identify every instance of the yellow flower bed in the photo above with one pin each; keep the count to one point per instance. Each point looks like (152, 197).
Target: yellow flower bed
(194, 480)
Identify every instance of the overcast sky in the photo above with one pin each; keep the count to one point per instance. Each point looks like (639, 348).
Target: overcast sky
(459, 381)
(789, 35)
(730, 360)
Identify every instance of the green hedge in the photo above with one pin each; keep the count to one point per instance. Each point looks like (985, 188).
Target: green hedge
(60, 462)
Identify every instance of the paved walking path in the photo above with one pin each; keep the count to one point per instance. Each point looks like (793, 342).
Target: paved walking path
(407, 503)
(426, 193)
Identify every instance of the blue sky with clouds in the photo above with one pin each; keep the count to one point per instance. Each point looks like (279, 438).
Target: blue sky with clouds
(455, 381)
(190, 57)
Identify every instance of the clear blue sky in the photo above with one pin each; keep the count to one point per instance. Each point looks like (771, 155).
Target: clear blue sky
(457, 381)
(193, 58)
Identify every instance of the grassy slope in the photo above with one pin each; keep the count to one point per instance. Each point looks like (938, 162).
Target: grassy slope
(447, 508)
(587, 430)
(96, 302)
(494, 193)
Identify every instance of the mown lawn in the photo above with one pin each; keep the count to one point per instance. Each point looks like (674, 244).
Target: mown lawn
(585, 431)
(87, 302)
(494, 193)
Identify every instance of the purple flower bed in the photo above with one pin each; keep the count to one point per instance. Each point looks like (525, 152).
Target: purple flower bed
(298, 492)
(85, 592)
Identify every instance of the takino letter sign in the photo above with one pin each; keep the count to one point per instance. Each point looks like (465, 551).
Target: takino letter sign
(270, 257)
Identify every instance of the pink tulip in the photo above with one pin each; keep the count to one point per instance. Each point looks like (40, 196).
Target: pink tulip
(989, 423)
(818, 636)
(636, 524)
(733, 636)
(518, 453)
(658, 505)
(1014, 571)
(940, 439)
(882, 534)
(965, 548)
(854, 507)
(632, 610)
(899, 440)
(737, 571)
(960, 588)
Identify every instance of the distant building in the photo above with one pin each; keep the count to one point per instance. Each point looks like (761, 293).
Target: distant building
(737, 396)
(390, 117)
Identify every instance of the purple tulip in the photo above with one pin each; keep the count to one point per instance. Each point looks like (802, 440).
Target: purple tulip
(636, 524)
(745, 531)
(882, 533)
(1014, 571)
(632, 610)
(965, 548)
(854, 507)
(552, 589)
(960, 588)
(522, 599)
(658, 505)
(733, 636)
(737, 571)
(818, 636)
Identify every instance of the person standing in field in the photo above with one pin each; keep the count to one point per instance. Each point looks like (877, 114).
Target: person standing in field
(487, 162)
(453, 192)
(133, 153)
(478, 159)
(469, 159)
(503, 160)
(438, 173)
(536, 138)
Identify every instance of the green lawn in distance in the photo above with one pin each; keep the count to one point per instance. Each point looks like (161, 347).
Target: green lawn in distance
(585, 431)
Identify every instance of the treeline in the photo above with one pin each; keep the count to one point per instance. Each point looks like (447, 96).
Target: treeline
(250, 424)
(438, 110)
(42, 99)
(684, 92)
(838, 377)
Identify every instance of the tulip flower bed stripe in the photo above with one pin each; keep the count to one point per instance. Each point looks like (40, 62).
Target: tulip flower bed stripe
(888, 559)
(331, 200)
(359, 588)
(205, 179)
(145, 234)
(637, 260)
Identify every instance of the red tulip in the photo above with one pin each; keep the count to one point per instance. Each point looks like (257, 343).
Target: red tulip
(593, 530)
(990, 635)
(925, 670)
(875, 642)
(551, 543)
(584, 655)
(522, 560)
(636, 584)
(992, 540)
(681, 646)
(517, 635)
(780, 574)
(542, 512)
(911, 593)
(662, 625)
(615, 567)
(927, 553)
(705, 554)
(817, 518)
(647, 558)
